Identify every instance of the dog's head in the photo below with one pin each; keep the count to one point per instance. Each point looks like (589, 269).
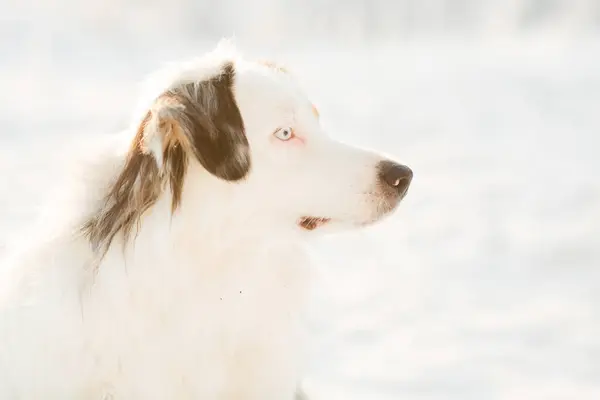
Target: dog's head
(299, 173)
(250, 130)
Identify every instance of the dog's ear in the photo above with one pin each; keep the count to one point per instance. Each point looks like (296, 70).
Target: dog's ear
(201, 119)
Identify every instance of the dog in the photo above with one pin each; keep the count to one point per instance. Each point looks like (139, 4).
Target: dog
(179, 270)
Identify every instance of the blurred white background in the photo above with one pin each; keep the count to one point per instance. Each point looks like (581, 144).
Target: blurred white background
(486, 283)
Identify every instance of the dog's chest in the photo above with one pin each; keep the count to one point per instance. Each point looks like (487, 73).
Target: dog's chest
(231, 331)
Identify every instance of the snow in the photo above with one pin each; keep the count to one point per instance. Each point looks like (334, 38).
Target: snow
(486, 282)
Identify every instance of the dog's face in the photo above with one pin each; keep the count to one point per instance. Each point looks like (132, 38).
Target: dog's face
(299, 173)
(249, 128)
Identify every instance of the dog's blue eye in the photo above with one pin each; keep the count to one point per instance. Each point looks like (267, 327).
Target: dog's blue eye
(284, 134)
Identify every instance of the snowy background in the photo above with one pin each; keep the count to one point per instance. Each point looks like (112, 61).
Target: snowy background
(486, 283)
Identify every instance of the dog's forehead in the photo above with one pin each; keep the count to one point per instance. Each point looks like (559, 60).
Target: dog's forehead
(262, 84)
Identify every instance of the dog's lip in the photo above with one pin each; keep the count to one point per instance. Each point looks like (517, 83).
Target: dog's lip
(312, 223)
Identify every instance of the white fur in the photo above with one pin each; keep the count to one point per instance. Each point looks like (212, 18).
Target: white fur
(205, 303)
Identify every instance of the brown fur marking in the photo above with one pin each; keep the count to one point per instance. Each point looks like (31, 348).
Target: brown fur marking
(204, 122)
(274, 65)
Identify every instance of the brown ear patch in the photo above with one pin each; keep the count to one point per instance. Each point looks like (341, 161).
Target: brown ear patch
(212, 125)
(202, 120)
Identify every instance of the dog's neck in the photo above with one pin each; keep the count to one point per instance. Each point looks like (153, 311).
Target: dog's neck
(211, 223)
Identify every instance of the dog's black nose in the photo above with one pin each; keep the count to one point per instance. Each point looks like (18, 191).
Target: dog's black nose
(396, 176)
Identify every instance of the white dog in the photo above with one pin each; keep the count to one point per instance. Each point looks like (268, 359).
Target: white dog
(180, 272)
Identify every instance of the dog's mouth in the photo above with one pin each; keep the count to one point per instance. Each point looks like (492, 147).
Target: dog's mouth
(312, 223)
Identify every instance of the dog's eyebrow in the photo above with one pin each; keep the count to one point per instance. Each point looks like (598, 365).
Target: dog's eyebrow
(315, 111)
(273, 65)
